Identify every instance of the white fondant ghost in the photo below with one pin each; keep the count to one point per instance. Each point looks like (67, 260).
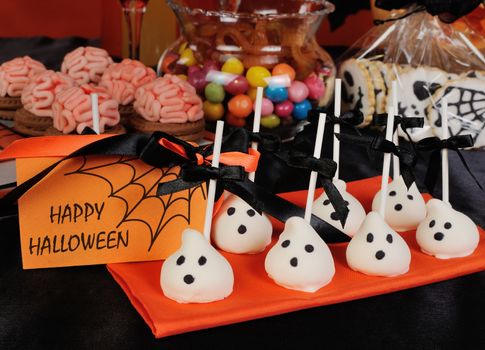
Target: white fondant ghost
(240, 229)
(300, 259)
(196, 272)
(377, 250)
(324, 210)
(446, 233)
(405, 209)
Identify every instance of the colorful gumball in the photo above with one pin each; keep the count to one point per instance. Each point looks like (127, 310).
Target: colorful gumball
(213, 111)
(266, 106)
(235, 121)
(282, 69)
(237, 86)
(240, 106)
(197, 80)
(301, 109)
(315, 86)
(233, 65)
(284, 109)
(298, 91)
(276, 94)
(255, 76)
(214, 92)
(271, 121)
(187, 57)
(252, 91)
(192, 69)
(182, 76)
(182, 47)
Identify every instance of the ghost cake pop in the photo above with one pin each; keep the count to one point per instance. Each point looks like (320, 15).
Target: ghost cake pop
(446, 233)
(196, 272)
(405, 208)
(376, 249)
(301, 260)
(322, 207)
(238, 228)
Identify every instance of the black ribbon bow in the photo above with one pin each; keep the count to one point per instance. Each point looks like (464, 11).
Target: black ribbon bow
(266, 142)
(326, 169)
(350, 118)
(404, 122)
(435, 145)
(407, 159)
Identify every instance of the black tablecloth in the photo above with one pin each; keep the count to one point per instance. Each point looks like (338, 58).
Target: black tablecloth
(83, 308)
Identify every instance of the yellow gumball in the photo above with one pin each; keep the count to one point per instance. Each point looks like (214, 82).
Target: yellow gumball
(233, 65)
(182, 76)
(182, 47)
(255, 76)
(187, 58)
(252, 91)
(213, 111)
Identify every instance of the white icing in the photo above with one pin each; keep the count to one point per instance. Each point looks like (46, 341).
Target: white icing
(446, 233)
(196, 272)
(240, 229)
(300, 259)
(324, 210)
(404, 209)
(377, 250)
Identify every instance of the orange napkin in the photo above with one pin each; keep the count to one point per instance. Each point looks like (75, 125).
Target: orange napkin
(256, 295)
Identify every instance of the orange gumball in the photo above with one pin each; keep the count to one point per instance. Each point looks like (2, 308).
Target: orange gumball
(282, 69)
(240, 106)
(235, 121)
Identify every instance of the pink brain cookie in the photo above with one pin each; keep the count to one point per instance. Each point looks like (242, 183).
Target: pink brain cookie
(72, 109)
(168, 99)
(16, 73)
(86, 64)
(38, 96)
(122, 79)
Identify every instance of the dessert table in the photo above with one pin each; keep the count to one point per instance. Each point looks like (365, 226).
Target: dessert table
(83, 307)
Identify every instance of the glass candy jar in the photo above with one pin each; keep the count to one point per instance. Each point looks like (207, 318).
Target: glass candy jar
(230, 47)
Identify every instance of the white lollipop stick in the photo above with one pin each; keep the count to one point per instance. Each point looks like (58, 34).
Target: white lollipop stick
(256, 123)
(387, 163)
(95, 112)
(336, 126)
(395, 159)
(211, 193)
(313, 176)
(444, 152)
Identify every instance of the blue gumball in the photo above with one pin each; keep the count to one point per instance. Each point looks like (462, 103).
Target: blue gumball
(276, 94)
(301, 109)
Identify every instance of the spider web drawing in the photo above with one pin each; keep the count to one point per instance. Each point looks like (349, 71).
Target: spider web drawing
(468, 110)
(153, 211)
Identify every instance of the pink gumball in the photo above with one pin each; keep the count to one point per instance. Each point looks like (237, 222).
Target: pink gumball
(192, 69)
(298, 91)
(267, 107)
(210, 65)
(315, 86)
(284, 109)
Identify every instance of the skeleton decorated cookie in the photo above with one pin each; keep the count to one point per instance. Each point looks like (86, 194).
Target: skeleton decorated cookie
(466, 109)
(358, 91)
(377, 250)
(446, 233)
(196, 272)
(324, 210)
(380, 88)
(238, 228)
(300, 260)
(405, 209)
(416, 88)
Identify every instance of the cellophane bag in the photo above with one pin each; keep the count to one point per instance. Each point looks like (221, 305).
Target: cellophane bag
(430, 60)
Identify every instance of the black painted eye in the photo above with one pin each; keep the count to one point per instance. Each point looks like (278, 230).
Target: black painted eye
(326, 202)
(285, 243)
(447, 225)
(309, 248)
(231, 211)
(389, 238)
(370, 237)
(398, 207)
(180, 260)
(251, 212)
(410, 197)
(202, 260)
(392, 193)
(242, 229)
(432, 223)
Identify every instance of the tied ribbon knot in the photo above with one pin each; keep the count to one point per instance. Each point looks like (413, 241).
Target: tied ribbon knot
(405, 123)
(407, 159)
(351, 118)
(267, 142)
(326, 169)
(435, 145)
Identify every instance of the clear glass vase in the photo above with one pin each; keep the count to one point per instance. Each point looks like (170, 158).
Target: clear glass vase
(274, 37)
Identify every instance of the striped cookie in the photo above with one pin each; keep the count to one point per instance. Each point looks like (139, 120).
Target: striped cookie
(8, 106)
(380, 88)
(27, 123)
(186, 131)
